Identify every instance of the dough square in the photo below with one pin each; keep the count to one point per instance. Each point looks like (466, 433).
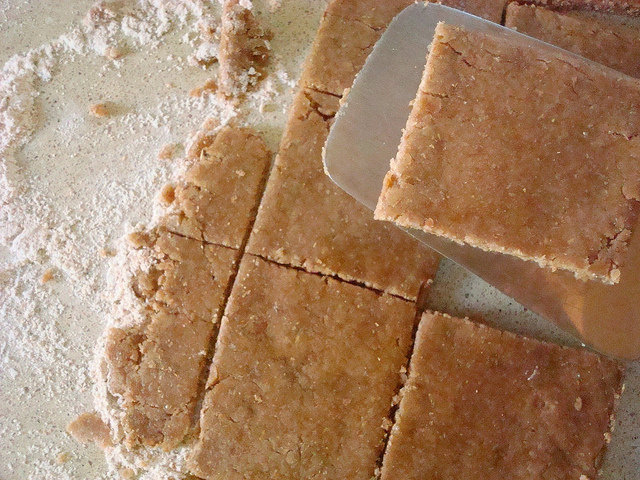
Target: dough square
(303, 377)
(483, 403)
(307, 221)
(624, 7)
(217, 198)
(349, 30)
(514, 149)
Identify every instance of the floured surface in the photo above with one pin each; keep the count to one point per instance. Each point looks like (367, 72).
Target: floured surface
(82, 182)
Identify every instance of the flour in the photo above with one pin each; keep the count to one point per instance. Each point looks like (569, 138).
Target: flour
(71, 185)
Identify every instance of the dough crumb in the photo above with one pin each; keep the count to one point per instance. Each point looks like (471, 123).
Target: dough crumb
(89, 427)
(100, 110)
(48, 275)
(126, 473)
(167, 194)
(244, 50)
(105, 253)
(168, 151)
(210, 86)
(140, 239)
(210, 124)
(113, 53)
(63, 457)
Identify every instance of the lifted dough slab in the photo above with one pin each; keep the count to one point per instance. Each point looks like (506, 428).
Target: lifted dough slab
(480, 402)
(306, 221)
(517, 150)
(612, 40)
(217, 198)
(302, 379)
(154, 365)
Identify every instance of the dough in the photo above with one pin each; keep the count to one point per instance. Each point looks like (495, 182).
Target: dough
(518, 150)
(302, 379)
(482, 403)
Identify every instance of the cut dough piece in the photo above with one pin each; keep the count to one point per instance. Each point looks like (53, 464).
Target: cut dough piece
(152, 362)
(244, 50)
(518, 150)
(482, 400)
(307, 221)
(217, 198)
(338, 53)
(302, 379)
(350, 29)
(631, 7)
(611, 40)
(488, 9)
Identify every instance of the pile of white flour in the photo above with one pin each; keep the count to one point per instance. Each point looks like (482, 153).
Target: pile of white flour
(72, 184)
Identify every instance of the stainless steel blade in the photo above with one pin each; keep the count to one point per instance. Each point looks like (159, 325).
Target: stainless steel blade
(365, 137)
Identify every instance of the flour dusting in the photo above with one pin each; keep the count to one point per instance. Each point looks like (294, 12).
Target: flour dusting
(72, 184)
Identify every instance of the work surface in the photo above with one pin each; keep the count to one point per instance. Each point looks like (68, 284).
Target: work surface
(71, 184)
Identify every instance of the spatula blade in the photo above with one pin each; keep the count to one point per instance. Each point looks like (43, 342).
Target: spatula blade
(365, 137)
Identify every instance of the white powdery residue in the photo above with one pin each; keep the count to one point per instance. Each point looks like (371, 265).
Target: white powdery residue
(180, 9)
(266, 96)
(74, 42)
(126, 307)
(24, 229)
(18, 91)
(284, 78)
(143, 30)
(150, 464)
(274, 5)
(205, 53)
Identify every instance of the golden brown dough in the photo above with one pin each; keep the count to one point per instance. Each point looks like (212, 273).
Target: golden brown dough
(350, 29)
(154, 366)
(302, 379)
(307, 221)
(612, 40)
(244, 50)
(217, 198)
(518, 150)
(154, 355)
(88, 427)
(481, 403)
(631, 7)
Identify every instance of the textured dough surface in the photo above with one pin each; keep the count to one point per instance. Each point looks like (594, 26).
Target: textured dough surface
(547, 172)
(349, 31)
(244, 50)
(612, 40)
(175, 280)
(216, 199)
(483, 400)
(154, 364)
(631, 7)
(302, 379)
(307, 221)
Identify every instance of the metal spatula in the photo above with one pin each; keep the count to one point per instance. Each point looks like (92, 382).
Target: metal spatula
(365, 137)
